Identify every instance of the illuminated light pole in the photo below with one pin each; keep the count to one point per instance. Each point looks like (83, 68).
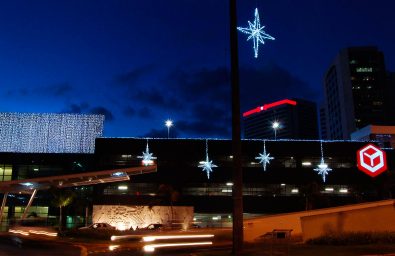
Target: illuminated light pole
(275, 126)
(168, 124)
(255, 32)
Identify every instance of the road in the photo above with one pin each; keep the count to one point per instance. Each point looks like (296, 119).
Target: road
(15, 246)
(177, 244)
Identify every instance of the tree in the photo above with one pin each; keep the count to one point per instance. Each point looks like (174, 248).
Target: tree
(61, 198)
(311, 192)
(170, 195)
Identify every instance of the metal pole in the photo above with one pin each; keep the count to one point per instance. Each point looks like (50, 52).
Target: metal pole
(236, 136)
(29, 204)
(86, 216)
(168, 131)
(3, 205)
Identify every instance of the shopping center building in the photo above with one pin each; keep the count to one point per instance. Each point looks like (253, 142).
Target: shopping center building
(288, 181)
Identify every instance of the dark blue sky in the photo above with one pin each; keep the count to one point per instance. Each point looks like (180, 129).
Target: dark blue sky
(141, 62)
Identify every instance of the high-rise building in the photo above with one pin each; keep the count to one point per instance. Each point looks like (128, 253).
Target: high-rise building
(297, 119)
(356, 92)
(323, 129)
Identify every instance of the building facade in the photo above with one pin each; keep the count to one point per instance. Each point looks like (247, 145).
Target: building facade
(384, 135)
(356, 92)
(297, 119)
(49, 133)
(288, 181)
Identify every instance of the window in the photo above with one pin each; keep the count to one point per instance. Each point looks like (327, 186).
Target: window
(5, 172)
(40, 211)
(364, 69)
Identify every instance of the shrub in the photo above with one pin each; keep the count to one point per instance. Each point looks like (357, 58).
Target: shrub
(354, 238)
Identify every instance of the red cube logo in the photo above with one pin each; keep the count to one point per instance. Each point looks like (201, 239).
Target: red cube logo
(371, 160)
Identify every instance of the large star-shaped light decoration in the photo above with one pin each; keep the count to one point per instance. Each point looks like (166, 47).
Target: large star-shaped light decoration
(323, 169)
(256, 32)
(264, 158)
(207, 166)
(147, 157)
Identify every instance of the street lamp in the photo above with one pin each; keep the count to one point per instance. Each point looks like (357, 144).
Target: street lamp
(168, 124)
(275, 126)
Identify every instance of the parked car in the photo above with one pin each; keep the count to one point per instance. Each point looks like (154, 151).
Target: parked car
(154, 226)
(150, 227)
(195, 225)
(98, 226)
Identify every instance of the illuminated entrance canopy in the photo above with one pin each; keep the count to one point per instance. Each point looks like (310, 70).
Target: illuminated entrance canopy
(73, 180)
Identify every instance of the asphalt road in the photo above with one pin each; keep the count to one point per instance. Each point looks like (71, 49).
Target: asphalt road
(16, 246)
(11, 244)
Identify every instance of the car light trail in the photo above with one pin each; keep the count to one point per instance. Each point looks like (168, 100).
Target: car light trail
(153, 238)
(16, 231)
(114, 238)
(152, 247)
(113, 247)
(43, 233)
(36, 232)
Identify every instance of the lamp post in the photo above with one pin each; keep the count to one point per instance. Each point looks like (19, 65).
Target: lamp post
(275, 126)
(168, 124)
(237, 191)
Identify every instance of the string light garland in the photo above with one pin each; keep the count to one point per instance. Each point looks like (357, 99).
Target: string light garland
(207, 165)
(49, 133)
(256, 33)
(264, 158)
(322, 168)
(147, 156)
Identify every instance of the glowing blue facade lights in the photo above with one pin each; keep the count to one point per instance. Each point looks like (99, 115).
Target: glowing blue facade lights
(322, 167)
(147, 157)
(256, 33)
(49, 133)
(207, 165)
(264, 158)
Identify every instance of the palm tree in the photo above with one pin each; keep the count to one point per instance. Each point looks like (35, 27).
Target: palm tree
(61, 198)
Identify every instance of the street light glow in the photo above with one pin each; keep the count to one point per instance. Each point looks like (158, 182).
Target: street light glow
(276, 125)
(169, 123)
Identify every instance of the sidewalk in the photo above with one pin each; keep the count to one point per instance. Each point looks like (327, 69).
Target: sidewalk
(304, 250)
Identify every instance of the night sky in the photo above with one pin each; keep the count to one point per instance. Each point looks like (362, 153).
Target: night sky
(141, 62)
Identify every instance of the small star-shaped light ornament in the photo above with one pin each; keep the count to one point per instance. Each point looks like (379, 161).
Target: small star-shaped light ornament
(207, 166)
(264, 158)
(256, 32)
(323, 169)
(147, 157)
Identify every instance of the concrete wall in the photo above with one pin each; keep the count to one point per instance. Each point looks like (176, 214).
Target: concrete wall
(372, 219)
(256, 227)
(126, 217)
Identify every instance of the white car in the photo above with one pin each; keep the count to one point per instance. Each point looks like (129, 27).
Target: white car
(98, 226)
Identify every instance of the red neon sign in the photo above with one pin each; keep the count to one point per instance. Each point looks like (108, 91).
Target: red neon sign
(371, 160)
(268, 106)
